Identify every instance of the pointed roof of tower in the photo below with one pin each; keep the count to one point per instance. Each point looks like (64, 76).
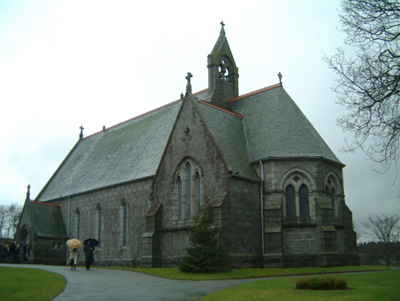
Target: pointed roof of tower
(222, 48)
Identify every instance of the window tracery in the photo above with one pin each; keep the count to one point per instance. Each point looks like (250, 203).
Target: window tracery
(189, 189)
(297, 203)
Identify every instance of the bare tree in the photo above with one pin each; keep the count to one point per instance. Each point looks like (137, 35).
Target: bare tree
(369, 84)
(3, 214)
(386, 230)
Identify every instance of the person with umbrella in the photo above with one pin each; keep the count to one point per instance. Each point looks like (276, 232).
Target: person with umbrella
(89, 248)
(73, 244)
(73, 258)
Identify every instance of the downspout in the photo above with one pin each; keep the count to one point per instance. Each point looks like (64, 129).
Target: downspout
(262, 211)
(68, 228)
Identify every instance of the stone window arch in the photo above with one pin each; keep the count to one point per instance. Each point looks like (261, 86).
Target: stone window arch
(333, 191)
(298, 205)
(189, 189)
(77, 222)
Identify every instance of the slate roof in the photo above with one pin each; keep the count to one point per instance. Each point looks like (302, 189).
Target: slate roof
(262, 125)
(126, 152)
(47, 220)
(276, 128)
(227, 129)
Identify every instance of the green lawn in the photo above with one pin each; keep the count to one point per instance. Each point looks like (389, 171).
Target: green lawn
(29, 284)
(383, 285)
(175, 273)
(36, 284)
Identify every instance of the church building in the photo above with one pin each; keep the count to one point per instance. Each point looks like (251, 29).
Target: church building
(275, 187)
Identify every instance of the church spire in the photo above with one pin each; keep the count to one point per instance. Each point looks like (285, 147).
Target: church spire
(223, 73)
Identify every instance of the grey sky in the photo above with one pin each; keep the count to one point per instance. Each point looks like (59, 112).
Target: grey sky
(64, 64)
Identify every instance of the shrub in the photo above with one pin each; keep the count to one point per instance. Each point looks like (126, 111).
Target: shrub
(341, 284)
(314, 284)
(327, 284)
(302, 283)
(321, 284)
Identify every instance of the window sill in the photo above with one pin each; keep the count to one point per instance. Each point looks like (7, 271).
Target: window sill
(299, 223)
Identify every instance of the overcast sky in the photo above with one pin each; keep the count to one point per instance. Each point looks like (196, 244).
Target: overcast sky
(64, 64)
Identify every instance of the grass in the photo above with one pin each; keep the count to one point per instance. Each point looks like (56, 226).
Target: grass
(374, 286)
(175, 273)
(35, 284)
(29, 284)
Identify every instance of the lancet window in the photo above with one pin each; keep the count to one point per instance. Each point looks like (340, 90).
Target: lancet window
(189, 189)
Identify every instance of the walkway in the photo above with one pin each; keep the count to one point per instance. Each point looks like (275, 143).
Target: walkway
(107, 284)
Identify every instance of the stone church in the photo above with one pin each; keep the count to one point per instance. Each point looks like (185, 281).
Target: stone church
(275, 187)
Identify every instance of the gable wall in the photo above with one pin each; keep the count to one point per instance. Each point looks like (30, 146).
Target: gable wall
(198, 145)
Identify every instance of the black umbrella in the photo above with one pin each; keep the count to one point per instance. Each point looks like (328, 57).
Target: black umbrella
(93, 242)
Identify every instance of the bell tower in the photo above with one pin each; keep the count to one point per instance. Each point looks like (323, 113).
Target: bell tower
(223, 74)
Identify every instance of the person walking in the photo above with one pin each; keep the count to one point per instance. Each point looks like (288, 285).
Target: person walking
(89, 254)
(73, 258)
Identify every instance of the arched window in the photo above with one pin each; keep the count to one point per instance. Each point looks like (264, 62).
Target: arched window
(98, 224)
(304, 202)
(180, 200)
(332, 189)
(298, 206)
(198, 194)
(187, 179)
(124, 222)
(290, 203)
(78, 222)
(188, 190)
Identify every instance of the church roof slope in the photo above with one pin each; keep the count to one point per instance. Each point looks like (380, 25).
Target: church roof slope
(123, 153)
(47, 220)
(227, 129)
(276, 127)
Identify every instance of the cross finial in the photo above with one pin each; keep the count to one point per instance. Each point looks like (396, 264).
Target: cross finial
(222, 24)
(188, 85)
(280, 77)
(28, 193)
(81, 134)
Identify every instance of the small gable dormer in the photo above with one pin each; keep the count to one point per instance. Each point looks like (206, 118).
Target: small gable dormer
(223, 74)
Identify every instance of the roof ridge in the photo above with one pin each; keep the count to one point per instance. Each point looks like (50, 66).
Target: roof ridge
(219, 108)
(131, 119)
(255, 92)
(201, 91)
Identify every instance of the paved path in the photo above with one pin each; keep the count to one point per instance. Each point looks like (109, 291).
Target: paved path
(110, 285)
(106, 284)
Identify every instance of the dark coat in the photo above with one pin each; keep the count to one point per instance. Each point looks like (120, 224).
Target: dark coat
(89, 253)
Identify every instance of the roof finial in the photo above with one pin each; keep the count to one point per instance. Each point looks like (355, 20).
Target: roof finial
(222, 24)
(81, 134)
(28, 193)
(280, 77)
(189, 85)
